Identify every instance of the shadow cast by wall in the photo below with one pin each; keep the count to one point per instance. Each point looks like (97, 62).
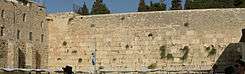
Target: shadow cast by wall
(229, 56)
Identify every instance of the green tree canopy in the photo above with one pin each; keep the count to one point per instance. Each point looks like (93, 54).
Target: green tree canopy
(99, 8)
(159, 6)
(156, 7)
(84, 10)
(142, 7)
(204, 4)
(176, 5)
(239, 3)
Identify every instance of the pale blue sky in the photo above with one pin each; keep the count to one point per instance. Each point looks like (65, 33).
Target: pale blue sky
(116, 6)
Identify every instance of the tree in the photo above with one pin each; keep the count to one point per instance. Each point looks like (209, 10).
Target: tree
(99, 8)
(156, 7)
(84, 10)
(239, 3)
(204, 4)
(142, 7)
(162, 5)
(176, 5)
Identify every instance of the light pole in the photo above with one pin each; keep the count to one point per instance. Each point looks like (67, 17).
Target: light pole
(94, 50)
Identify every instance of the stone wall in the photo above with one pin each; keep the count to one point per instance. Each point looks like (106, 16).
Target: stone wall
(23, 35)
(170, 40)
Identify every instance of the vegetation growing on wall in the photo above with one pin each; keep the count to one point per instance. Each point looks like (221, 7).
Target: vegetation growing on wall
(163, 52)
(64, 43)
(186, 52)
(80, 60)
(152, 66)
(101, 67)
(170, 57)
(211, 50)
(186, 24)
(208, 48)
(74, 51)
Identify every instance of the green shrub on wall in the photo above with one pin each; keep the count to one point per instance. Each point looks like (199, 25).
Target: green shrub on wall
(186, 50)
(152, 66)
(163, 52)
(212, 52)
(64, 43)
(170, 57)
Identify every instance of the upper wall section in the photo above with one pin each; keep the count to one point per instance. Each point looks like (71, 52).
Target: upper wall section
(133, 40)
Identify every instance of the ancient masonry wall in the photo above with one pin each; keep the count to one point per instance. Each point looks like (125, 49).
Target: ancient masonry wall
(23, 35)
(192, 39)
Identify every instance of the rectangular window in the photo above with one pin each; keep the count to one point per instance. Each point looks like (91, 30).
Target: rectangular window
(1, 31)
(3, 14)
(30, 36)
(18, 34)
(24, 17)
(42, 24)
(42, 36)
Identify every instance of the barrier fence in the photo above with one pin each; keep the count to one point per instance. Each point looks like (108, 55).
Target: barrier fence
(155, 71)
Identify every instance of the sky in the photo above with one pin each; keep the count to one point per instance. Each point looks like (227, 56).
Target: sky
(115, 6)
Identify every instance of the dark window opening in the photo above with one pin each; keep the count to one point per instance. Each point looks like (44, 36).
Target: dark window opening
(64, 43)
(2, 13)
(75, 51)
(30, 36)
(150, 35)
(58, 59)
(42, 36)
(122, 18)
(24, 17)
(92, 25)
(42, 24)
(127, 46)
(18, 34)
(1, 31)
(186, 24)
(38, 60)
(21, 59)
(80, 60)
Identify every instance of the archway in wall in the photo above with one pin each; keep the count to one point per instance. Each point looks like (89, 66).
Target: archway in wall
(3, 53)
(21, 58)
(38, 60)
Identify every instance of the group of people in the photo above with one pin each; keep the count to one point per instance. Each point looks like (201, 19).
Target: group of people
(237, 68)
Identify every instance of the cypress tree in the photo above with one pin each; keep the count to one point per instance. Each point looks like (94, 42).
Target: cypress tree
(156, 6)
(84, 10)
(204, 4)
(176, 5)
(162, 5)
(99, 8)
(239, 3)
(142, 7)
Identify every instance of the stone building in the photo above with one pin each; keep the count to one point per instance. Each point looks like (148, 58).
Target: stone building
(23, 34)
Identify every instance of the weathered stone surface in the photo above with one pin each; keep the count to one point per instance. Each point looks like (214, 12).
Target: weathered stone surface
(30, 22)
(133, 40)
